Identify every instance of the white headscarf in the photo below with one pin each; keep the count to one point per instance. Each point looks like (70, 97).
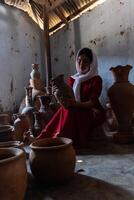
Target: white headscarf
(79, 78)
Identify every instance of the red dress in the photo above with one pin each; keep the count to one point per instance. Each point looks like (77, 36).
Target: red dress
(77, 123)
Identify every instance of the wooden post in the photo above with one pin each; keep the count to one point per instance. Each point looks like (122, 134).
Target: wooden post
(47, 47)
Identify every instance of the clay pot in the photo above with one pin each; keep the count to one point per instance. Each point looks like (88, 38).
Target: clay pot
(21, 126)
(62, 92)
(121, 95)
(45, 109)
(6, 133)
(35, 74)
(13, 174)
(52, 160)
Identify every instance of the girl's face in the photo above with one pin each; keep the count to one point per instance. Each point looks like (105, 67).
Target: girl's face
(83, 64)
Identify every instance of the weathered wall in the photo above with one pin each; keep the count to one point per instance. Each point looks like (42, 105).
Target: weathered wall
(108, 30)
(20, 41)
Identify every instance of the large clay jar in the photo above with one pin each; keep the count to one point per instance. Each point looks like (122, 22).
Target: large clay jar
(121, 95)
(13, 174)
(52, 160)
(6, 133)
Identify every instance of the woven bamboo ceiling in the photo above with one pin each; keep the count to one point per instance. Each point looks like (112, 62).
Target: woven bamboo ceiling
(60, 12)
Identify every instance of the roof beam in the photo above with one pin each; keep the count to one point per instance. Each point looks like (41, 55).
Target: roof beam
(59, 13)
(50, 4)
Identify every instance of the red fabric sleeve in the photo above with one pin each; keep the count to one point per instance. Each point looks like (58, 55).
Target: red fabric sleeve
(70, 81)
(97, 88)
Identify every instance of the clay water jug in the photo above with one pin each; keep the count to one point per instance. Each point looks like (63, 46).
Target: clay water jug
(61, 90)
(29, 108)
(121, 95)
(35, 74)
(45, 109)
(21, 125)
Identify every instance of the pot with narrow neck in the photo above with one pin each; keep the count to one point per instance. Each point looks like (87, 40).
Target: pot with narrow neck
(35, 74)
(121, 95)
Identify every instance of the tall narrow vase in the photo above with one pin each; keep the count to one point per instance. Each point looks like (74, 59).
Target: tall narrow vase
(121, 95)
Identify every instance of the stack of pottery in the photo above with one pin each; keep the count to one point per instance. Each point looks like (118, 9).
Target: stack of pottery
(37, 86)
(121, 95)
(13, 174)
(52, 160)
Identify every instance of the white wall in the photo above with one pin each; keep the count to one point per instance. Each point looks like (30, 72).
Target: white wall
(108, 30)
(20, 41)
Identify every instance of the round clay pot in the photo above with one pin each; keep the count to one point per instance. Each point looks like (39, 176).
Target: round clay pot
(6, 133)
(13, 174)
(52, 160)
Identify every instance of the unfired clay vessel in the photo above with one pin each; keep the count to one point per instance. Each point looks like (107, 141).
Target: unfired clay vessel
(52, 160)
(121, 95)
(13, 174)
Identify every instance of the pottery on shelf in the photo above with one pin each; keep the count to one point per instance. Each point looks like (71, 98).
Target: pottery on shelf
(61, 90)
(52, 160)
(121, 95)
(6, 133)
(13, 174)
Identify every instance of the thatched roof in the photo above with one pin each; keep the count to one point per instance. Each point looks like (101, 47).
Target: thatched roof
(60, 12)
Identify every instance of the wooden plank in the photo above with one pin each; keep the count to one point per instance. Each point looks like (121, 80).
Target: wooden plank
(47, 47)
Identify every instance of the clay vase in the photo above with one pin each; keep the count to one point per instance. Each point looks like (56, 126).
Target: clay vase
(6, 133)
(52, 160)
(21, 125)
(121, 95)
(45, 109)
(37, 124)
(13, 174)
(28, 109)
(35, 74)
(62, 92)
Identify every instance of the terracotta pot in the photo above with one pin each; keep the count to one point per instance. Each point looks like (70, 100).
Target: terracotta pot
(62, 92)
(52, 160)
(35, 74)
(121, 95)
(13, 174)
(21, 126)
(6, 133)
